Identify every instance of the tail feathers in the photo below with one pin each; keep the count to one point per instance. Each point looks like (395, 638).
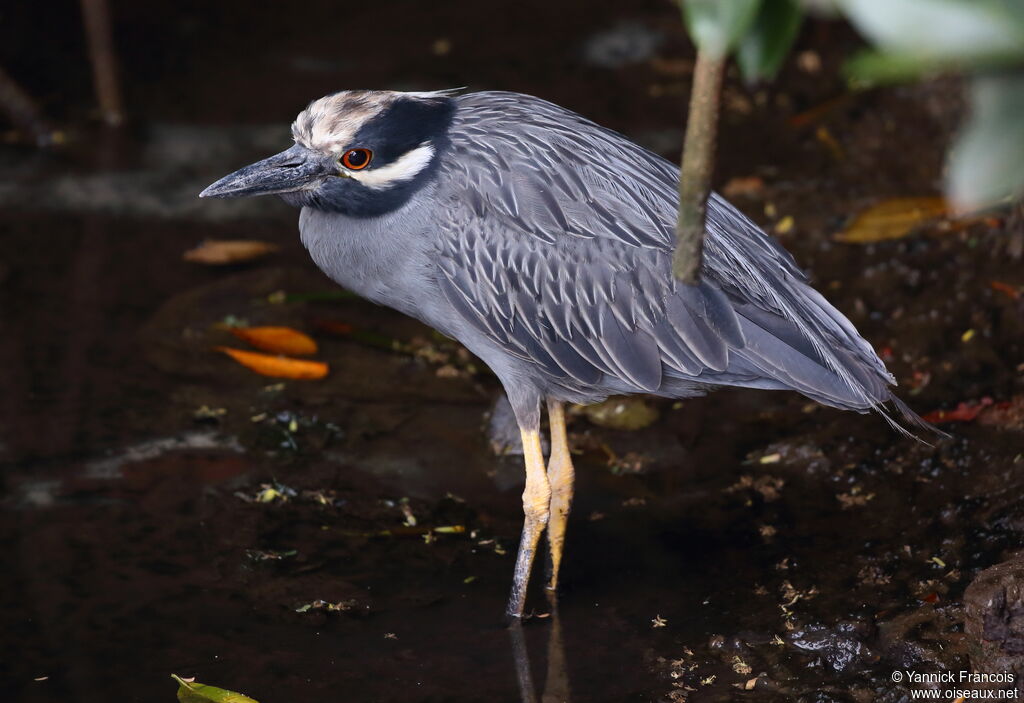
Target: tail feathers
(783, 354)
(777, 351)
(909, 417)
(794, 338)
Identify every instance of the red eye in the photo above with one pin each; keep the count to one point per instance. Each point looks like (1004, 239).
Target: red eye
(357, 159)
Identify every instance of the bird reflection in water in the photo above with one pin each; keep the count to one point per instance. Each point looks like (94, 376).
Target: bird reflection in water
(556, 682)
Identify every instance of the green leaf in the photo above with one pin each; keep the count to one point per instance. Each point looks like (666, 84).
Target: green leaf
(191, 692)
(986, 164)
(869, 67)
(874, 67)
(940, 31)
(716, 26)
(762, 50)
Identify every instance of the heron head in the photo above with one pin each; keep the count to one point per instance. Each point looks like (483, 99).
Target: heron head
(357, 152)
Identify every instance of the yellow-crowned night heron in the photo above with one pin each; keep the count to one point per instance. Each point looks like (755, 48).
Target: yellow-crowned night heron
(543, 243)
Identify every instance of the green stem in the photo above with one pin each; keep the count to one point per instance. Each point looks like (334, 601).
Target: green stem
(697, 165)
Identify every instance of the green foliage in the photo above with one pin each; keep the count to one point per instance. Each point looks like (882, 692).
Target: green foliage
(716, 26)
(192, 692)
(983, 38)
(986, 165)
(914, 37)
(764, 47)
(910, 39)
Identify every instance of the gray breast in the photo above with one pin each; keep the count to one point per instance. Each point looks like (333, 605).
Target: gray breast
(383, 259)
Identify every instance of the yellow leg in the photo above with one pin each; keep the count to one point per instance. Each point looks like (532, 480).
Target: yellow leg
(560, 478)
(536, 499)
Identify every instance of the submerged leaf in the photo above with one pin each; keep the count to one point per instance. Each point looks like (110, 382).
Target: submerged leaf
(892, 219)
(277, 366)
(192, 692)
(280, 340)
(216, 252)
(626, 413)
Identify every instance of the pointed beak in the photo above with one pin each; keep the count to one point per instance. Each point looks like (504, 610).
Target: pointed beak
(291, 170)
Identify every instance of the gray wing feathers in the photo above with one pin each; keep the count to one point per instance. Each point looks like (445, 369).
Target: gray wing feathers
(557, 245)
(564, 315)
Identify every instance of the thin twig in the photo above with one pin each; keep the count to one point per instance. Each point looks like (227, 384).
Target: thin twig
(96, 14)
(24, 113)
(697, 164)
(1015, 230)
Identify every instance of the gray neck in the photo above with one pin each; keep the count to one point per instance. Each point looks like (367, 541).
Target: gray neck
(384, 259)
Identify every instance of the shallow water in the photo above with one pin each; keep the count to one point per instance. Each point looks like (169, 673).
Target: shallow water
(766, 538)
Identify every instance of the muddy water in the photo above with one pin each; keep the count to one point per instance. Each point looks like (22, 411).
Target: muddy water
(745, 539)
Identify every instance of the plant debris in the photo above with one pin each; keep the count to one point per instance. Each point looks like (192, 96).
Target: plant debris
(268, 493)
(768, 486)
(270, 554)
(319, 604)
(204, 413)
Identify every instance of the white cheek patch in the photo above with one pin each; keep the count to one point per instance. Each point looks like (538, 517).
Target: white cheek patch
(405, 168)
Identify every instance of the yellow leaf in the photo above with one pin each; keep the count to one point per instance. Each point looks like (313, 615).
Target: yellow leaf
(279, 340)
(277, 366)
(214, 252)
(784, 225)
(450, 529)
(892, 219)
(743, 186)
(269, 495)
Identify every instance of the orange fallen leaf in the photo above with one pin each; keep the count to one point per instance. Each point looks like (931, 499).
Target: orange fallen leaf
(341, 329)
(279, 340)
(819, 111)
(743, 186)
(1007, 415)
(277, 366)
(218, 252)
(672, 67)
(892, 219)
(1006, 288)
(963, 412)
(830, 143)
